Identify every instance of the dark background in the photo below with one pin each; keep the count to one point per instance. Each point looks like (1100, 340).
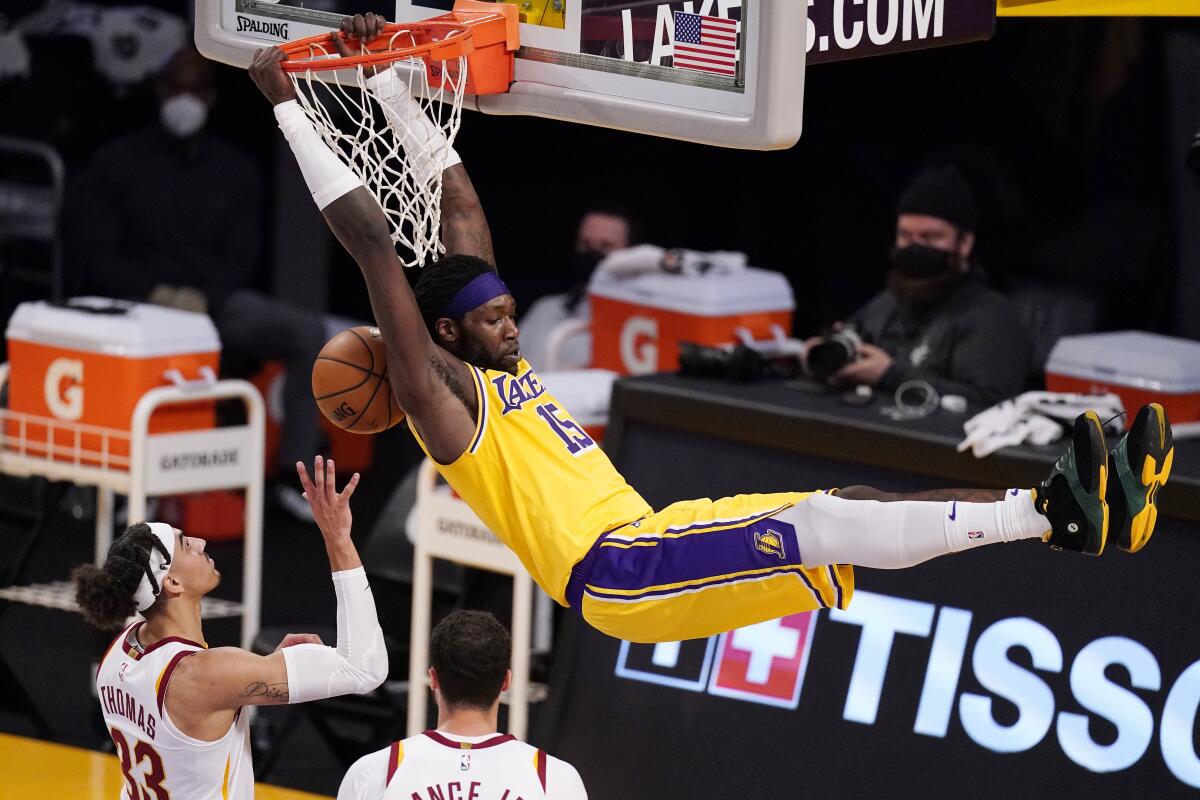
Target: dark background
(1063, 127)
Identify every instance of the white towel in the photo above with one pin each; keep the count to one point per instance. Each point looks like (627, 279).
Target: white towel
(1035, 418)
(644, 259)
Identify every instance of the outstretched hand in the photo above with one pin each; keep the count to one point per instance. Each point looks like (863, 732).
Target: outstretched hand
(330, 508)
(267, 73)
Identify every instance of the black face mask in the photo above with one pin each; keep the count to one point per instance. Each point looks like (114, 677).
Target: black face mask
(919, 261)
(583, 263)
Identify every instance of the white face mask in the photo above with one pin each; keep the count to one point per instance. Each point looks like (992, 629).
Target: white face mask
(183, 115)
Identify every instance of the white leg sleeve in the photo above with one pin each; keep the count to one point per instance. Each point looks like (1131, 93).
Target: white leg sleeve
(868, 533)
(360, 662)
(425, 144)
(327, 177)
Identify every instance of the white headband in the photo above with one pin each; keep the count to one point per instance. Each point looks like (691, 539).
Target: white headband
(145, 594)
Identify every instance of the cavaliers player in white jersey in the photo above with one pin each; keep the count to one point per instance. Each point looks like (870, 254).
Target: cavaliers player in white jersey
(465, 758)
(173, 706)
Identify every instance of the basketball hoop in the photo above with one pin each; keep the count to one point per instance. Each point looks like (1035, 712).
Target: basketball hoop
(396, 131)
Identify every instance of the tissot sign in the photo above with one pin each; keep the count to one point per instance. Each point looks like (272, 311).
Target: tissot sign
(765, 664)
(931, 678)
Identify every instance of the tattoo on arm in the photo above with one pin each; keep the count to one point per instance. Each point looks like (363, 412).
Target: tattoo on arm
(275, 691)
(446, 375)
(464, 225)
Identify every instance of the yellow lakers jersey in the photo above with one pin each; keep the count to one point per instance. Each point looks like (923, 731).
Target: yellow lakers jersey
(536, 478)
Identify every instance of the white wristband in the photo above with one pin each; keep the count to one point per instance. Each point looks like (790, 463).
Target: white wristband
(425, 144)
(328, 178)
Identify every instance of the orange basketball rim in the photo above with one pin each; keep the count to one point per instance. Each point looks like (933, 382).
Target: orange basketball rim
(487, 34)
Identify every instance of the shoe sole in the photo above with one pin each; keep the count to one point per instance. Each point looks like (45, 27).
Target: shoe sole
(1095, 432)
(1159, 446)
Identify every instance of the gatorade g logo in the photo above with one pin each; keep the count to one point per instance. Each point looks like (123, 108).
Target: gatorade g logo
(65, 403)
(639, 345)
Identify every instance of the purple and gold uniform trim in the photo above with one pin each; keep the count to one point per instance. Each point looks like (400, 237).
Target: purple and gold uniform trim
(702, 567)
(695, 557)
(482, 402)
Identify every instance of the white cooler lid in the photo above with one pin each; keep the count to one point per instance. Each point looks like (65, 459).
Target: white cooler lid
(749, 291)
(1130, 358)
(585, 393)
(115, 328)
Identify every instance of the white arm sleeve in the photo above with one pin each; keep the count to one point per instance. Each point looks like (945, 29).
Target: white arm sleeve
(360, 662)
(366, 779)
(562, 781)
(328, 178)
(425, 144)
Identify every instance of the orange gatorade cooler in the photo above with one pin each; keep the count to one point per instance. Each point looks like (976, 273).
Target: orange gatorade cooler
(1139, 367)
(89, 361)
(637, 324)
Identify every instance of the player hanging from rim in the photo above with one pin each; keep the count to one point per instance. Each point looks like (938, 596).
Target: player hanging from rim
(171, 704)
(532, 474)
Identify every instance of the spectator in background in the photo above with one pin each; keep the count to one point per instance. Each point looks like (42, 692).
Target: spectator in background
(602, 230)
(938, 320)
(172, 216)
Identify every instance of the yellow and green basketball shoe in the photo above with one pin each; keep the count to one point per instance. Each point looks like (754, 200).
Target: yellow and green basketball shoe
(1140, 463)
(1073, 495)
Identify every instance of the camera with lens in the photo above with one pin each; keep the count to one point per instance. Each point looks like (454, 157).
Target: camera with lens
(835, 350)
(737, 364)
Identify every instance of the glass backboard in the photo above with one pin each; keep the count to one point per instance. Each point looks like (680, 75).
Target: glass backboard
(720, 72)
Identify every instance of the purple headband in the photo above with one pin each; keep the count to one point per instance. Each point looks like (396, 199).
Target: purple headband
(478, 291)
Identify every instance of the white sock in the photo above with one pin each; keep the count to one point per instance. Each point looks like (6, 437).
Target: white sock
(970, 525)
(868, 533)
(327, 177)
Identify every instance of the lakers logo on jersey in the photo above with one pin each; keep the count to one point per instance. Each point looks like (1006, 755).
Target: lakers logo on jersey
(770, 543)
(517, 391)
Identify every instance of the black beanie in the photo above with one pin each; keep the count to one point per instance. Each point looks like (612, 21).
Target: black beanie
(940, 192)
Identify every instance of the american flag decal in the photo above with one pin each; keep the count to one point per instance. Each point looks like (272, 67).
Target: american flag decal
(706, 44)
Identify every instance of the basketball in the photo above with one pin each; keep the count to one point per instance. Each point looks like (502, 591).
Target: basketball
(350, 385)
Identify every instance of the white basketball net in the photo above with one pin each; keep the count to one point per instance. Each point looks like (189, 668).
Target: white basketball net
(395, 131)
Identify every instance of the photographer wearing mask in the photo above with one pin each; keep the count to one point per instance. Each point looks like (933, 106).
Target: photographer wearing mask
(602, 230)
(937, 320)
